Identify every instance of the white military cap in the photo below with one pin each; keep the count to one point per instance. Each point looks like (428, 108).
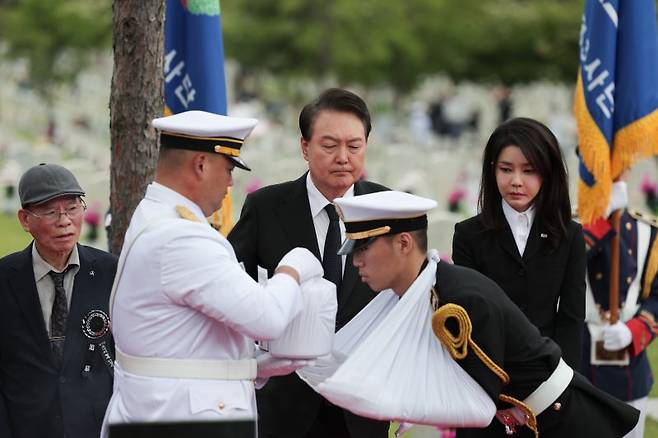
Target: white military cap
(206, 132)
(376, 214)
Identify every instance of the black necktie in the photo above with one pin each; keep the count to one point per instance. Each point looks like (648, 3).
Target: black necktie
(331, 261)
(58, 316)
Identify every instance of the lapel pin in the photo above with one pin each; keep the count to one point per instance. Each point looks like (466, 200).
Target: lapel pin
(543, 235)
(92, 273)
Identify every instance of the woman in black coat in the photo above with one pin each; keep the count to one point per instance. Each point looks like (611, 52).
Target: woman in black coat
(524, 238)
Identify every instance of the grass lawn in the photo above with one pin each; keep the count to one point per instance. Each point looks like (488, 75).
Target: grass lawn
(12, 236)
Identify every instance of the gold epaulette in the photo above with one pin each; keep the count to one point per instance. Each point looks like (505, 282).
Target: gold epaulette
(186, 213)
(644, 217)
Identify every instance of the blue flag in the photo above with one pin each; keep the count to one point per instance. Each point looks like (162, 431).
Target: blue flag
(616, 99)
(194, 57)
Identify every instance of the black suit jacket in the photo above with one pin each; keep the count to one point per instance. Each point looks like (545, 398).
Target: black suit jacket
(508, 338)
(274, 220)
(535, 282)
(37, 399)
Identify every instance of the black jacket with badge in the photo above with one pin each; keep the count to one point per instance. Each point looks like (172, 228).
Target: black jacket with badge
(37, 399)
(537, 281)
(274, 220)
(513, 343)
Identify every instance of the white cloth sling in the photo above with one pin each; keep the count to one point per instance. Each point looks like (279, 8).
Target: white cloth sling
(387, 364)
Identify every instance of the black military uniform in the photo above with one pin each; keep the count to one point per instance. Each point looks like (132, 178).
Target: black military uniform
(514, 344)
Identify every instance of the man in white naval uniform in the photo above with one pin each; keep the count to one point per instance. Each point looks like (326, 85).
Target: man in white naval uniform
(185, 314)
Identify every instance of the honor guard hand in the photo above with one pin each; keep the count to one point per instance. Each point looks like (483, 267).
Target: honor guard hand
(616, 336)
(269, 366)
(304, 262)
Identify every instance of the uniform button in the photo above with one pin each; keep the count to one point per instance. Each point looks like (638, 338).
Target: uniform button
(62, 379)
(221, 406)
(630, 252)
(557, 406)
(598, 275)
(629, 280)
(629, 226)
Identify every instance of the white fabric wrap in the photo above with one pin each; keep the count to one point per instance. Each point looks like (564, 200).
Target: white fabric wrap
(311, 333)
(394, 368)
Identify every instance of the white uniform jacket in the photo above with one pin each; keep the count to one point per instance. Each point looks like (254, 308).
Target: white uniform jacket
(182, 294)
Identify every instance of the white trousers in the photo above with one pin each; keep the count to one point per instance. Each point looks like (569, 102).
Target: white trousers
(641, 405)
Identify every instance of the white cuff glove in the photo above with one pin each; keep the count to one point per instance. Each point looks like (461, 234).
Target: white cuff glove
(616, 336)
(269, 365)
(618, 197)
(304, 262)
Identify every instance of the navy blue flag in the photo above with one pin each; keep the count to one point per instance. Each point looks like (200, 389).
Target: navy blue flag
(194, 57)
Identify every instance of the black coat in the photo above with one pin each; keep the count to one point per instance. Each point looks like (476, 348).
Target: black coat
(503, 332)
(37, 399)
(536, 281)
(274, 220)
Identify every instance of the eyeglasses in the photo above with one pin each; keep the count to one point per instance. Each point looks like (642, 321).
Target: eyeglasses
(71, 211)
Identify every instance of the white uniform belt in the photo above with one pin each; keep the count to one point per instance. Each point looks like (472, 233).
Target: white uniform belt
(550, 389)
(174, 368)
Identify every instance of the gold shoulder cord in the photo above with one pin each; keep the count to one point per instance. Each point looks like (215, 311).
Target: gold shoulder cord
(457, 346)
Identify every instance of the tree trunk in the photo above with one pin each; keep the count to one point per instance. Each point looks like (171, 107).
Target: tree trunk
(136, 98)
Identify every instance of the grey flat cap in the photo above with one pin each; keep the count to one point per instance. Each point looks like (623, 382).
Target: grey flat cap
(44, 182)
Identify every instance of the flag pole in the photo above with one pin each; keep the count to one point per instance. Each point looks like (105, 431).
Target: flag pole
(615, 219)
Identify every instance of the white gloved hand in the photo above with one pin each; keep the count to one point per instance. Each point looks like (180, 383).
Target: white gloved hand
(322, 368)
(304, 262)
(616, 336)
(269, 365)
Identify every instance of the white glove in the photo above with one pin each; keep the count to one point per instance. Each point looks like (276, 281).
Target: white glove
(322, 368)
(618, 197)
(617, 336)
(269, 365)
(304, 262)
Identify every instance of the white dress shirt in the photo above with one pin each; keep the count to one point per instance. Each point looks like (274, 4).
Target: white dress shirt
(45, 285)
(520, 224)
(317, 202)
(182, 294)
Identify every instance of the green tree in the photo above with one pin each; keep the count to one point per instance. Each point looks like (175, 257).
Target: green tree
(398, 43)
(56, 37)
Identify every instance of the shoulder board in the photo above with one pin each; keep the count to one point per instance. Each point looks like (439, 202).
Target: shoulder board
(185, 213)
(644, 217)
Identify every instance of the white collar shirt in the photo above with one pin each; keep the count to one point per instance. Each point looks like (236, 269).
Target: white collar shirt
(520, 224)
(45, 285)
(317, 201)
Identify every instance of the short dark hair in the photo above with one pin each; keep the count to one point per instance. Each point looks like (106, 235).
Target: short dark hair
(420, 236)
(334, 99)
(542, 150)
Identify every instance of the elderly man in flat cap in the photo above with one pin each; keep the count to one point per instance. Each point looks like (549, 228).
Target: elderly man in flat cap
(185, 312)
(55, 348)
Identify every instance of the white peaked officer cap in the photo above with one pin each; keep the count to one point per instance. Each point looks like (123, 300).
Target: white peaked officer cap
(206, 132)
(376, 214)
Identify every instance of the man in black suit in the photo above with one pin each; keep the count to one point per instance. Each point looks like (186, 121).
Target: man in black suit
(55, 349)
(334, 135)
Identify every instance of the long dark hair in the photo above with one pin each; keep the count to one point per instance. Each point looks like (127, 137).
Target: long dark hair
(541, 149)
